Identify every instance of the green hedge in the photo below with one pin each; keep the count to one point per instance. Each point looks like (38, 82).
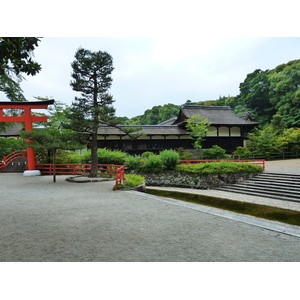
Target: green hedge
(220, 167)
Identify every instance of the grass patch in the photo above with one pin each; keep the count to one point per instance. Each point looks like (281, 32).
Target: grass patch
(132, 180)
(257, 210)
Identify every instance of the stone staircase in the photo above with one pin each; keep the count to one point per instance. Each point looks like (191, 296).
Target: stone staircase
(270, 185)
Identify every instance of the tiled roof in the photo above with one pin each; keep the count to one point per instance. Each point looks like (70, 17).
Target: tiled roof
(217, 115)
(147, 129)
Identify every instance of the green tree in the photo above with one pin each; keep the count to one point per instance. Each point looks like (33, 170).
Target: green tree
(197, 127)
(51, 139)
(254, 96)
(16, 55)
(285, 92)
(92, 77)
(159, 113)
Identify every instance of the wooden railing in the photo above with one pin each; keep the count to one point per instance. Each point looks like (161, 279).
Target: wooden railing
(260, 162)
(6, 160)
(116, 171)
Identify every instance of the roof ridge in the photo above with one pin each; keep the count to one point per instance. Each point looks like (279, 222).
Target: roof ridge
(207, 107)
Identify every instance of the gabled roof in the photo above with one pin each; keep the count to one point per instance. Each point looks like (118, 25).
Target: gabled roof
(167, 122)
(147, 129)
(216, 115)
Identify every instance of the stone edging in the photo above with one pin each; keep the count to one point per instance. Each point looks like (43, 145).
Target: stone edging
(84, 179)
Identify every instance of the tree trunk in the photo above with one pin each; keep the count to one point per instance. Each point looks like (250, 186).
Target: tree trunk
(94, 156)
(54, 165)
(94, 144)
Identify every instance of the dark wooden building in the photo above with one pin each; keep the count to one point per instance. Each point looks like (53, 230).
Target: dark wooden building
(226, 130)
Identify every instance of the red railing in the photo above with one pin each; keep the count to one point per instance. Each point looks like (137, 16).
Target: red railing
(82, 169)
(251, 161)
(6, 160)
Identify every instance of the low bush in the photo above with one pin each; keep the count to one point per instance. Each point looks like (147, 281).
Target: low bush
(147, 154)
(132, 180)
(133, 162)
(153, 164)
(169, 158)
(220, 167)
(115, 157)
(241, 152)
(184, 155)
(215, 152)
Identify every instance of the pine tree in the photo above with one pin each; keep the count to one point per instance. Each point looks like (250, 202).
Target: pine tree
(92, 77)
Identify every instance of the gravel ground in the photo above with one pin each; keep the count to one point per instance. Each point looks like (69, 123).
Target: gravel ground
(79, 222)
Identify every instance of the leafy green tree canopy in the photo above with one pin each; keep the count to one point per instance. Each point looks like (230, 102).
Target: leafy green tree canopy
(16, 55)
(197, 128)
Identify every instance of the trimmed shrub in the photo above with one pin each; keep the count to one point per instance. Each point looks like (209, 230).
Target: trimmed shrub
(169, 158)
(220, 167)
(153, 164)
(133, 162)
(242, 152)
(147, 154)
(215, 152)
(105, 156)
(115, 157)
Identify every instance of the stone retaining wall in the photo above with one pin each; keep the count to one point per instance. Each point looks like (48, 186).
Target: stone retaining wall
(187, 180)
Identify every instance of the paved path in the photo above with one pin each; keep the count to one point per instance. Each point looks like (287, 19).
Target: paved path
(45, 221)
(289, 166)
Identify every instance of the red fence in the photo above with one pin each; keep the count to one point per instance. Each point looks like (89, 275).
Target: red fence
(10, 157)
(251, 161)
(116, 171)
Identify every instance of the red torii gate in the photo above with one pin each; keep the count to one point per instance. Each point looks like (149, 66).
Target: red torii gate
(27, 118)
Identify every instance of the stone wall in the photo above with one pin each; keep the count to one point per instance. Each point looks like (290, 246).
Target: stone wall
(187, 180)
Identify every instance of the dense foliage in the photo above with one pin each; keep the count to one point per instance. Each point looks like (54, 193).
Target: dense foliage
(9, 145)
(155, 115)
(219, 167)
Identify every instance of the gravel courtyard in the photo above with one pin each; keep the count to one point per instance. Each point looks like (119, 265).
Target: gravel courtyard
(79, 222)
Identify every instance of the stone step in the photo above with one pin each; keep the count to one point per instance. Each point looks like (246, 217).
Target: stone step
(261, 194)
(270, 185)
(267, 190)
(275, 180)
(259, 185)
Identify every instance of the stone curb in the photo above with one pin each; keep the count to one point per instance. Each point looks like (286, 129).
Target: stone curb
(84, 179)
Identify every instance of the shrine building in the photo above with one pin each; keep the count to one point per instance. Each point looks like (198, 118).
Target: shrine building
(226, 130)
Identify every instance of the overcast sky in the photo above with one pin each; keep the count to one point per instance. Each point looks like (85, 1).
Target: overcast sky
(163, 52)
(157, 71)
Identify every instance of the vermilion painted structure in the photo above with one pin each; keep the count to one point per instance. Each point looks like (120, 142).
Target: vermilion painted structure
(27, 117)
